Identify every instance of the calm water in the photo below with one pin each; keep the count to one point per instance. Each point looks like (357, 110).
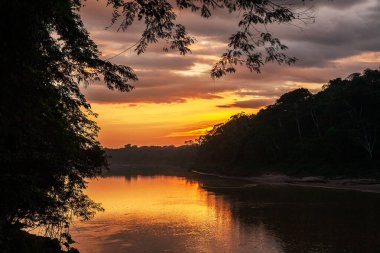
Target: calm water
(174, 214)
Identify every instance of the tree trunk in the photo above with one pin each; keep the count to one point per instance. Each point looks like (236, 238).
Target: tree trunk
(315, 121)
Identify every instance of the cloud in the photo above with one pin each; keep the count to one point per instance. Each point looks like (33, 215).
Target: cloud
(335, 4)
(344, 31)
(252, 103)
(337, 33)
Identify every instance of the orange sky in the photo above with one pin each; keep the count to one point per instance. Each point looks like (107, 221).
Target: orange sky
(159, 124)
(176, 100)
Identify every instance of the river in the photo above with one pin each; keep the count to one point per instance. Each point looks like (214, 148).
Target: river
(204, 214)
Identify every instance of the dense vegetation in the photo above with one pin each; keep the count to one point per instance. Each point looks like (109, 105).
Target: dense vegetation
(334, 133)
(47, 143)
(152, 155)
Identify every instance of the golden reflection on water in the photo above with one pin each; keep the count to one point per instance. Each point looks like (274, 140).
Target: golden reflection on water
(165, 214)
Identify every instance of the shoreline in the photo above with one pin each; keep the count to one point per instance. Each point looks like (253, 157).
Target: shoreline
(360, 184)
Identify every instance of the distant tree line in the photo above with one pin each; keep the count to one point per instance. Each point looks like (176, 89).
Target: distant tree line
(152, 155)
(334, 132)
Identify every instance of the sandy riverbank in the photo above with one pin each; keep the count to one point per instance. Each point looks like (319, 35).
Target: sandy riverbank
(361, 184)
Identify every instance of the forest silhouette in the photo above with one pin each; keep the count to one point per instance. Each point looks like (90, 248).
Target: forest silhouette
(334, 132)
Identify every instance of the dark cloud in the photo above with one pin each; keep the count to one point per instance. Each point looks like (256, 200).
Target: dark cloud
(157, 61)
(268, 92)
(336, 33)
(336, 4)
(174, 93)
(252, 103)
(343, 28)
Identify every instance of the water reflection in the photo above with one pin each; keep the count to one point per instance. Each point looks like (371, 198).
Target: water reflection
(308, 219)
(174, 214)
(165, 214)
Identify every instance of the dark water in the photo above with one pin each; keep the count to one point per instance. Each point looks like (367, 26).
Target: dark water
(175, 214)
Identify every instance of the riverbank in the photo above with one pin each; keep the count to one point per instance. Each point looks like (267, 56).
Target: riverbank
(145, 169)
(357, 184)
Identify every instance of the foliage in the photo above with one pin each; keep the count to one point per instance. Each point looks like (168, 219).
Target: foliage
(48, 144)
(334, 132)
(251, 45)
(152, 155)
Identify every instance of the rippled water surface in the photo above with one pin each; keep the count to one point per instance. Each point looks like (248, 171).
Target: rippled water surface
(175, 214)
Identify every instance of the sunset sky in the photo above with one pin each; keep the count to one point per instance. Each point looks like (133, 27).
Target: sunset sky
(175, 98)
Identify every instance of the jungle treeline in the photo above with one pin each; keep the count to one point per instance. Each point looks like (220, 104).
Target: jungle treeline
(333, 133)
(182, 156)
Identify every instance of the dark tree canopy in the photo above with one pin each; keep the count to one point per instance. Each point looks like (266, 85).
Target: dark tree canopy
(48, 143)
(333, 133)
(251, 45)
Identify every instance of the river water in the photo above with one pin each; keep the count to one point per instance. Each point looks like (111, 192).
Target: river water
(177, 214)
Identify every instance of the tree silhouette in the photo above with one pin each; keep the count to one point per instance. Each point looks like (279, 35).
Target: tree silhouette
(331, 133)
(251, 45)
(291, 103)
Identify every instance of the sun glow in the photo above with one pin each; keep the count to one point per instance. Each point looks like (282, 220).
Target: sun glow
(164, 214)
(161, 124)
